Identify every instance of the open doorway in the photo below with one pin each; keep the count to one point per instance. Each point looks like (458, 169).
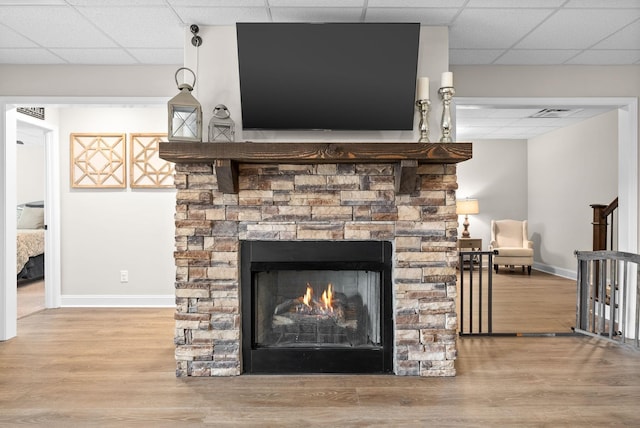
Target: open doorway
(56, 153)
(528, 185)
(30, 224)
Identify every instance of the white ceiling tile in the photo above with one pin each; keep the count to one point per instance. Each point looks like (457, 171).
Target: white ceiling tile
(73, 29)
(604, 57)
(32, 2)
(626, 38)
(116, 3)
(515, 3)
(158, 56)
(95, 56)
(425, 16)
(415, 3)
(608, 4)
(490, 28)
(11, 39)
(311, 14)
(316, 3)
(221, 16)
(137, 26)
(535, 57)
(577, 29)
(218, 3)
(28, 56)
(473, 56)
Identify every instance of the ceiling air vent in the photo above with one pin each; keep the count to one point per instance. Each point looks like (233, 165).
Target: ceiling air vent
(554, 113)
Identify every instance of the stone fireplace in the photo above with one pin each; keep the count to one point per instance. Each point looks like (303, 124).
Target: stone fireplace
(400, 193)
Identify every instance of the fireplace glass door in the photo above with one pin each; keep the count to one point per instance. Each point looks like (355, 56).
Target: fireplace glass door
(316, 306)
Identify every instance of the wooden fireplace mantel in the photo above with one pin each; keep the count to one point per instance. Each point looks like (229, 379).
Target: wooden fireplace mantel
(226, 156)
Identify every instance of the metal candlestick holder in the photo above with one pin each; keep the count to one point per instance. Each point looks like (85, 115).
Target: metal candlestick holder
(423, 108)
(446, 94)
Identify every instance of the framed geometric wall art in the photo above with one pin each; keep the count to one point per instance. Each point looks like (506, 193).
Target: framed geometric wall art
(146, 168)
(98, 161)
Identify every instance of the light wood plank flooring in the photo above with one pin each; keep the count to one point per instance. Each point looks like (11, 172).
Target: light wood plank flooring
(536, 303)
(115, 367)
(30, 298)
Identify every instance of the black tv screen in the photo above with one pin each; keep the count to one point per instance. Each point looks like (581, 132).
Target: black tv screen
(330, 76)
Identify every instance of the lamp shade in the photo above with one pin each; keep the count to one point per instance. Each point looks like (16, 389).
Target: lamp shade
(467, 206)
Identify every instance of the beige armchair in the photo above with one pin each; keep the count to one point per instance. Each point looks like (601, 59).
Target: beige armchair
(511, 240)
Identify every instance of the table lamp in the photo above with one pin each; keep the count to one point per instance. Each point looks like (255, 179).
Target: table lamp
(466, 207)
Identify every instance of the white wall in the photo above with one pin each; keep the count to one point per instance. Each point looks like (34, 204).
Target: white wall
(497, 177)
(30, 170)
(570, 169)
(106, 231)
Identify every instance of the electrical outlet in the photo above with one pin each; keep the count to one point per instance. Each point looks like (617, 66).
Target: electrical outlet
(124, 276)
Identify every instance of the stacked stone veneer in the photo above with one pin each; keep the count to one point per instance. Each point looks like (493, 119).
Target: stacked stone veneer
(315, 202)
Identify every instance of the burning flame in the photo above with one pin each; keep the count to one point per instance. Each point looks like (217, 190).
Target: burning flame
(314, 305)
(327, 297)
(306, 299)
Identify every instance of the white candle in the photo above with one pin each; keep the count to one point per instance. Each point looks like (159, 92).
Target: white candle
(447, 80)
(423, 88)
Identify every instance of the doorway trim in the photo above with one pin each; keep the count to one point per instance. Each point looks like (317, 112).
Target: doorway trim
(8, 199)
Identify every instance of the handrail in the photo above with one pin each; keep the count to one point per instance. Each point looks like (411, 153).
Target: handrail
(608, 299)
(602, 227)
(610, 208)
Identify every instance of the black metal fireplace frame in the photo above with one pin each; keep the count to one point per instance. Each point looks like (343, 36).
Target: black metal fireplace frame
(258, 256)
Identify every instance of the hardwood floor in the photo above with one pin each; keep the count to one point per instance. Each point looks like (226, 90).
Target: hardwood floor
(115, 367)
(30, 298)
(536, 303)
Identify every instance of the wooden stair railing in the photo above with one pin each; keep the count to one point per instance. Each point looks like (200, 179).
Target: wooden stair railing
(602, 219)
(603, 227)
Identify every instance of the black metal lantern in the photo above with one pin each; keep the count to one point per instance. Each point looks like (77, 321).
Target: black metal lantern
(185, 113)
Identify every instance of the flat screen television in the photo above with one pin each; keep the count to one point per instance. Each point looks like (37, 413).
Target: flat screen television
(329, 76)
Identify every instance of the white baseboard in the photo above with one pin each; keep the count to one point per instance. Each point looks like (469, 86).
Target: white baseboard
(554, 270)
(117, 301)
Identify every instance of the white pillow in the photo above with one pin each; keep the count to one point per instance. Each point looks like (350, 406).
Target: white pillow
(31, 218)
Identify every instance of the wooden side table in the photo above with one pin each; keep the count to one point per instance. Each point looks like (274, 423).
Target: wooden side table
(470, 244)
(473, 244)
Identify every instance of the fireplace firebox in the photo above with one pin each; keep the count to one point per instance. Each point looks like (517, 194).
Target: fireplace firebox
(316, 307)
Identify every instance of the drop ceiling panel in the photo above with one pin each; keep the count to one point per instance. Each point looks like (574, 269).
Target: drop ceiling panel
(436, 17)
(415, 3)
(11, 39)
(315, 3)
(218, 3)
(578, 29)
(312, 14)
(138, 27)
(626, 38)
(221, 16)
(493, 28)
(72, 29)
(600, 4)
(515, 3)
(536, 56)
(116, 3)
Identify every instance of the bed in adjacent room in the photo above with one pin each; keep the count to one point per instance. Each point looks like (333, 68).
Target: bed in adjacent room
(30, 242)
